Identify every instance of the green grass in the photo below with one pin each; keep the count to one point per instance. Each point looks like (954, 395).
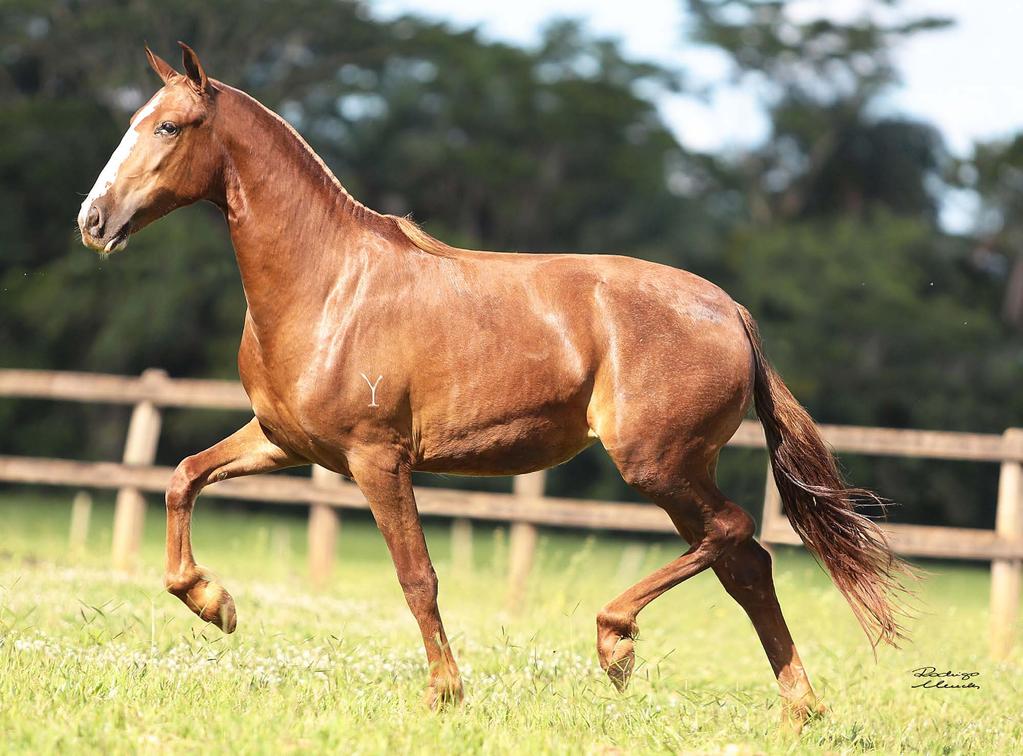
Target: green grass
(96, 662)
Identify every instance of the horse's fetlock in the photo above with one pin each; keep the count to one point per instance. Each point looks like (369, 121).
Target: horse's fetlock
(178, 583)
(620, 623)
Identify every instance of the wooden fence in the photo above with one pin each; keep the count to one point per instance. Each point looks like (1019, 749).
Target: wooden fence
(526, 508)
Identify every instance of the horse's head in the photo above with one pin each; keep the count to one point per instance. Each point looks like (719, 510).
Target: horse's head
(168, 158)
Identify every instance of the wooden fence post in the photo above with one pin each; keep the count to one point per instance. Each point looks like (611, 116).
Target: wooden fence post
(499, 552)
(772, 517)
(522, 542)
(461, 545)
(633, 557)
(280, 548)
(81, 512)
(1006, 573)
(139, 449)
(324, 523)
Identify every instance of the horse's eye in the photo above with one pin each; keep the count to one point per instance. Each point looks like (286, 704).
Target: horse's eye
(167, 128)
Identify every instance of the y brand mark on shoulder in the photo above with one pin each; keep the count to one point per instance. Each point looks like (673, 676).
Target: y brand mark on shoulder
(372, 390)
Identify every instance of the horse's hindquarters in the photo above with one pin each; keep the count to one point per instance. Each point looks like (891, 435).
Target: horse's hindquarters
(676, 376)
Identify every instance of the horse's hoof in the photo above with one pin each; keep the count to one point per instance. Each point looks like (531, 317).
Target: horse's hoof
(443, 693)
(218, 607)
(795, 714)
(616, 647)
(621, 663)
(207, 598)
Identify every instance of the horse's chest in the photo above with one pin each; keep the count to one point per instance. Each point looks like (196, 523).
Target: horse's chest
(269, 402)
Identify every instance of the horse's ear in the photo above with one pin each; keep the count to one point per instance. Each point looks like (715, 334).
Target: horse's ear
(162, 67)
(193, 68)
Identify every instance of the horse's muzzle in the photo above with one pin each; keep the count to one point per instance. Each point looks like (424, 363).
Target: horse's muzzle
(100, 234)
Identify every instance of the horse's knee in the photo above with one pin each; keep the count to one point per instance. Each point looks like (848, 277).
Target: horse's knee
(420, 586)
(182, 486)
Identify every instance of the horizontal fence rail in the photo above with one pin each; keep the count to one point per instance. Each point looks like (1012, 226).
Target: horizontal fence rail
(525, 508)
(292, 489)
(155, 387)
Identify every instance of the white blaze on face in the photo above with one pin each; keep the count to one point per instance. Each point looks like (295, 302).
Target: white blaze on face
(109, 173)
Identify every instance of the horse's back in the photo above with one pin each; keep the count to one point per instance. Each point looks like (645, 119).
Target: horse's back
(635, 325)
(662, 319)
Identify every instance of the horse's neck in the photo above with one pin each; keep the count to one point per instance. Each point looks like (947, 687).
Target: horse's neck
(293, 226)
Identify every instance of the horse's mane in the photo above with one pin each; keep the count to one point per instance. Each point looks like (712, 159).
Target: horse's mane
(422, 240)
(405, 226)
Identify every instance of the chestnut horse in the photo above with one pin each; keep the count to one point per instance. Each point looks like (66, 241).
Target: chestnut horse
(373, 349)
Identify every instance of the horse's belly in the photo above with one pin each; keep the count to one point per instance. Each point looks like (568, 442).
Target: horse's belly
(505, 444)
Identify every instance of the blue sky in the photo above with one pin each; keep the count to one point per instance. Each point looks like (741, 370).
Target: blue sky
(966, 80)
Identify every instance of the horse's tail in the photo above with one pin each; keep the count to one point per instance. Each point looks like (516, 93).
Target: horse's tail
(821, 507)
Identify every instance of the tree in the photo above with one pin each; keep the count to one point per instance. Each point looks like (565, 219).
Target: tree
(829, 154)
(995, 173)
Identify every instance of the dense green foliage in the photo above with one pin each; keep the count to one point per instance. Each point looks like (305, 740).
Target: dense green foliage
(828, 232)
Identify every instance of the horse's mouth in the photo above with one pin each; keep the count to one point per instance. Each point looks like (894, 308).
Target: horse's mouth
(119, 240)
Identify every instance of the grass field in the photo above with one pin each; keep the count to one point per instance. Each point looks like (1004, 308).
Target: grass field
(91, 661)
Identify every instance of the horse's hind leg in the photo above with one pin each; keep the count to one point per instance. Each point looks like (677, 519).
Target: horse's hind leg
(244, 452)
(720, 534)
(716, 526)
(745, 572)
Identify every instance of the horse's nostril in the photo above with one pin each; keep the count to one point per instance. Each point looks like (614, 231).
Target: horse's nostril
(94, 222)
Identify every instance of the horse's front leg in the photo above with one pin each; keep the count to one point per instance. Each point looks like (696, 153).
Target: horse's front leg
(245, 452)
(386, 481)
